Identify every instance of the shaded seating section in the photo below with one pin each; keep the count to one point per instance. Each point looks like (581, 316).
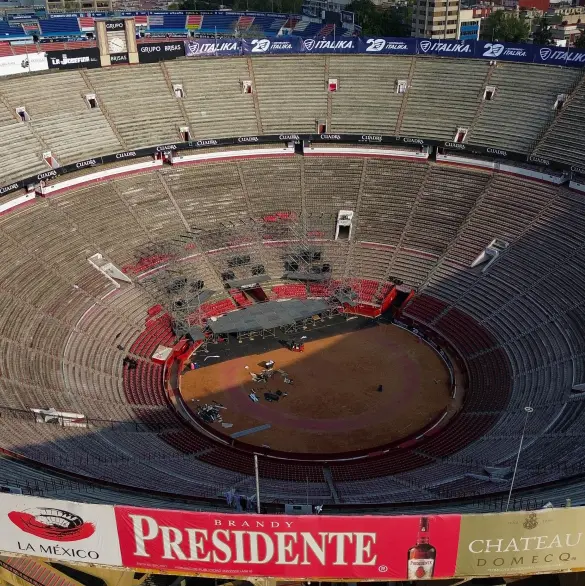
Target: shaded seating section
(490, 374)
(461, 329)
(460, 432)
(390, 463)
(425, 309)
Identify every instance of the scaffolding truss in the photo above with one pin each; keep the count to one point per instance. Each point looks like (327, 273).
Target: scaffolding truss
(198, 267)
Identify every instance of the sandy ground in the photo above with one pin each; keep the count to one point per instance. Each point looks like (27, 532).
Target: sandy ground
(333, 404)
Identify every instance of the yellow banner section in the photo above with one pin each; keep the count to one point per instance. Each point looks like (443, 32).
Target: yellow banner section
(548, 540)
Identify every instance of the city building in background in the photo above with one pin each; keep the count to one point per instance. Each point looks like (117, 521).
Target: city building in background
(469, 24)
(567, 23)
(436, 19)
(542, 5)
(78, 5)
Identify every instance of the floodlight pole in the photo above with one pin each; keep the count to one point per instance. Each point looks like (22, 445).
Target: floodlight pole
(528, 410)
(257, 483)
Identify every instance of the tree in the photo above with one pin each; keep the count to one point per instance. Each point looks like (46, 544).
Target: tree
(505, 27)
(543, 34)
(580, 41)
(375, 21)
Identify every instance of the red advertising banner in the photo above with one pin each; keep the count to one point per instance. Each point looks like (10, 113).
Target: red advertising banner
(300, 547)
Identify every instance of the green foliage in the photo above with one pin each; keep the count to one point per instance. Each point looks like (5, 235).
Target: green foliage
(580, 41)
(543, 34)
(505, 27)
(381, 22)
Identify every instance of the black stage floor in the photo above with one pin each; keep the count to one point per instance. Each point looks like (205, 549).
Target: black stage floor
(267, 316)
(338, 324)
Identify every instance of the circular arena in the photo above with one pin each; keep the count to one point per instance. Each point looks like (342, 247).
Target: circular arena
(453, 280)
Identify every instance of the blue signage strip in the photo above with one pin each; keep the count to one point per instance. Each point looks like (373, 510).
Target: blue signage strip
(388, 46)
(275, 46)
(212, 47)
(405, 46)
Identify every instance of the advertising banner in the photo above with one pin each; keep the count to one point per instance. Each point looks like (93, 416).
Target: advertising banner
(114, 25)
(548, 540)
(23, 63)
(86, 58)
(558, 56)
(504, 51)
(271, 46)
(355, 139)
(406, 46)
(153, 52)
(299, 547)
(445, 48)
(212, 47)
(59, 530)
(330, 45)
(119, 59)
(387, 46)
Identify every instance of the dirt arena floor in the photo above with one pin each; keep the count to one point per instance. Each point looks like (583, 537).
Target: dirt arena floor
(333, 404)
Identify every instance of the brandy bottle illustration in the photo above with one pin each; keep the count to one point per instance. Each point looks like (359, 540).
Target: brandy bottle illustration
(421, 557)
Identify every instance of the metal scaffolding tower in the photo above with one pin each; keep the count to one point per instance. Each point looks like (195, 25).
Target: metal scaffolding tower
(200, 266)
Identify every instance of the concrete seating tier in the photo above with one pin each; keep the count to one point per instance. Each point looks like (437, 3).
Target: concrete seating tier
(291, 92)
(141, 106)
(522, 105)
(520, 325)
(366, 101)
(213, 98)
(564, 142)
(444, 95)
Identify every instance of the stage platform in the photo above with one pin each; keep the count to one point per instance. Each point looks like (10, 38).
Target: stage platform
(267, 316)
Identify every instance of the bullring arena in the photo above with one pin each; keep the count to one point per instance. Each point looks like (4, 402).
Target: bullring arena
(333, 404)
(479, 253)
